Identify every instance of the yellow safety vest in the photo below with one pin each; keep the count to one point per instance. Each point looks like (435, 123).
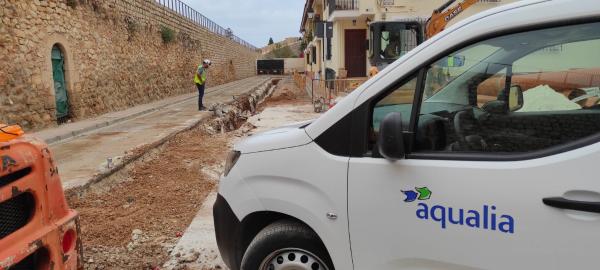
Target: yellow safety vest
(200, 79)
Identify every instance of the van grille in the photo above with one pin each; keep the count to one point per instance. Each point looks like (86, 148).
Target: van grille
(15, 213)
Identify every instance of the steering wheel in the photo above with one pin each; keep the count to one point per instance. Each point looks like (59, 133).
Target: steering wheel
(465, 126)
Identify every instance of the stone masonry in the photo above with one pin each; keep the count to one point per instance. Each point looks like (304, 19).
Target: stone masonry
(115, 57)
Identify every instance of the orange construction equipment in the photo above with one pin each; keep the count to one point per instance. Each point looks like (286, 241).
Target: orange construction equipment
(38, 230)
(8, 133)
(441, 17)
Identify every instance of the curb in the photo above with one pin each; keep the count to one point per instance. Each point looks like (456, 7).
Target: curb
(104, 124)
(111, 122)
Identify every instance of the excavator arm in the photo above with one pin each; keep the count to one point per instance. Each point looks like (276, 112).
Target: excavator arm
(441, 17)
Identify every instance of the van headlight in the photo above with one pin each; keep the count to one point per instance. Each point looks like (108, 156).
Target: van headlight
(232, 158)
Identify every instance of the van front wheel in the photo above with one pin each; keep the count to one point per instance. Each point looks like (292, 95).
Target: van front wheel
(286, 245)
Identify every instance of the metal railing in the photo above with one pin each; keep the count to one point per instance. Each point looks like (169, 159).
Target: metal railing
(186, 11)
(342, 5)
(325, 93)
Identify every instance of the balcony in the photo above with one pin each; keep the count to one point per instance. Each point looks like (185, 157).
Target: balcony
(342, 5)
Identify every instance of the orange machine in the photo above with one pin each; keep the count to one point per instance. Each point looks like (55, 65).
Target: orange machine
(38, 230)
(441, 17)
(8, 133)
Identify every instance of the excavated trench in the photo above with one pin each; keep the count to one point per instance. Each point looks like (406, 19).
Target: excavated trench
(226, 117)
(132, 216)
(231, 116)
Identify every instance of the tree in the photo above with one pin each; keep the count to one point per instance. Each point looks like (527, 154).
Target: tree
(284, 52)
(281, 52)
(271, 41)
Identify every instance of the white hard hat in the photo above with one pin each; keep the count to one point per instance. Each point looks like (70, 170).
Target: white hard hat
(206, 61)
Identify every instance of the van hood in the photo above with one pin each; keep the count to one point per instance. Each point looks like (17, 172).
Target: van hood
(283, 137)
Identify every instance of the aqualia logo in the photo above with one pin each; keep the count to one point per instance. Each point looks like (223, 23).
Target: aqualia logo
(486, 218)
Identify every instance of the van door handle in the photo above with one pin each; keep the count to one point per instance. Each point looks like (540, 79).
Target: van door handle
(562, 203)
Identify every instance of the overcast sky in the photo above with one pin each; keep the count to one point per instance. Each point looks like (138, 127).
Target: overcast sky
(254, 20)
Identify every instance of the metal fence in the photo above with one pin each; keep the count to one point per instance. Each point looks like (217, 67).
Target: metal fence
(342, 5)
(184, 10)
(326, 93)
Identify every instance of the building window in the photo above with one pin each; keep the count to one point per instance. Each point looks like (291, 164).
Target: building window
(328, 48)
(323, 49)
(314, 55)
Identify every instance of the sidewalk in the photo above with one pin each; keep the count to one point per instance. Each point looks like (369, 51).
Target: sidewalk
(82, 149)
(70, 130)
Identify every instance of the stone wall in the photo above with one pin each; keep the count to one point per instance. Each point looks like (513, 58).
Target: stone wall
(115, 57)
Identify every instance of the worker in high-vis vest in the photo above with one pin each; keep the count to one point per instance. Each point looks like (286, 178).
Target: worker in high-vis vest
(200, 80)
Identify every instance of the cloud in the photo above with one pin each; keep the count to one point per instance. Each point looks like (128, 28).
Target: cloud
(254, 20)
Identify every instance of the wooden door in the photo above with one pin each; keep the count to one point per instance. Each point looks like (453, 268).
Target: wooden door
(356, 52)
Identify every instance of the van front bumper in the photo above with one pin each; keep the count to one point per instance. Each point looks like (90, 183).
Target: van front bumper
(227, 231)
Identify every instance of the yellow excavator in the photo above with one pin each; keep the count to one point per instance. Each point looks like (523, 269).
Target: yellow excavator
(389, 40)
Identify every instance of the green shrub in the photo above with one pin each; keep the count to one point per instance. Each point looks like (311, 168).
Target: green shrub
(167, 34)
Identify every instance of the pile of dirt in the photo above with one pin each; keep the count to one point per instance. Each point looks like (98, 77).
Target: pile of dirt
(286, 93)
(283, 97)
(136, 223)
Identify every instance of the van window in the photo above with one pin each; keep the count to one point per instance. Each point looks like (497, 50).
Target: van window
(517, 93)
(400, 100)
(445, 70)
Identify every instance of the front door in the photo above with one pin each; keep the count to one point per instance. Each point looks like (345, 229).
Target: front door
(494, 179)
(60, 88)
(356, 52)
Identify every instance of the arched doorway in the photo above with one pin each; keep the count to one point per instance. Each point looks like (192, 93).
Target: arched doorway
(60, 86)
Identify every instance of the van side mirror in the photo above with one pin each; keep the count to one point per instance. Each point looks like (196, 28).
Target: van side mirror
(391, 137)
(515, 98)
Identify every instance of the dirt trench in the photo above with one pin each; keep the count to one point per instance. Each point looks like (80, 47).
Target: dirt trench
(132, 218)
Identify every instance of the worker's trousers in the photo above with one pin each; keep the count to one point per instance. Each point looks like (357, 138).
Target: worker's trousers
(200, 96)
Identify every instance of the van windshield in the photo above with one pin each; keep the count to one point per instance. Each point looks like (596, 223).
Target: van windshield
(445, 76)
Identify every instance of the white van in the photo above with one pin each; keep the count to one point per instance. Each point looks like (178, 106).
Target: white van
(476, 150)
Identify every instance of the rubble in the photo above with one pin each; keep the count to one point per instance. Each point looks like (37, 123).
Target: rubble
(286, 104)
